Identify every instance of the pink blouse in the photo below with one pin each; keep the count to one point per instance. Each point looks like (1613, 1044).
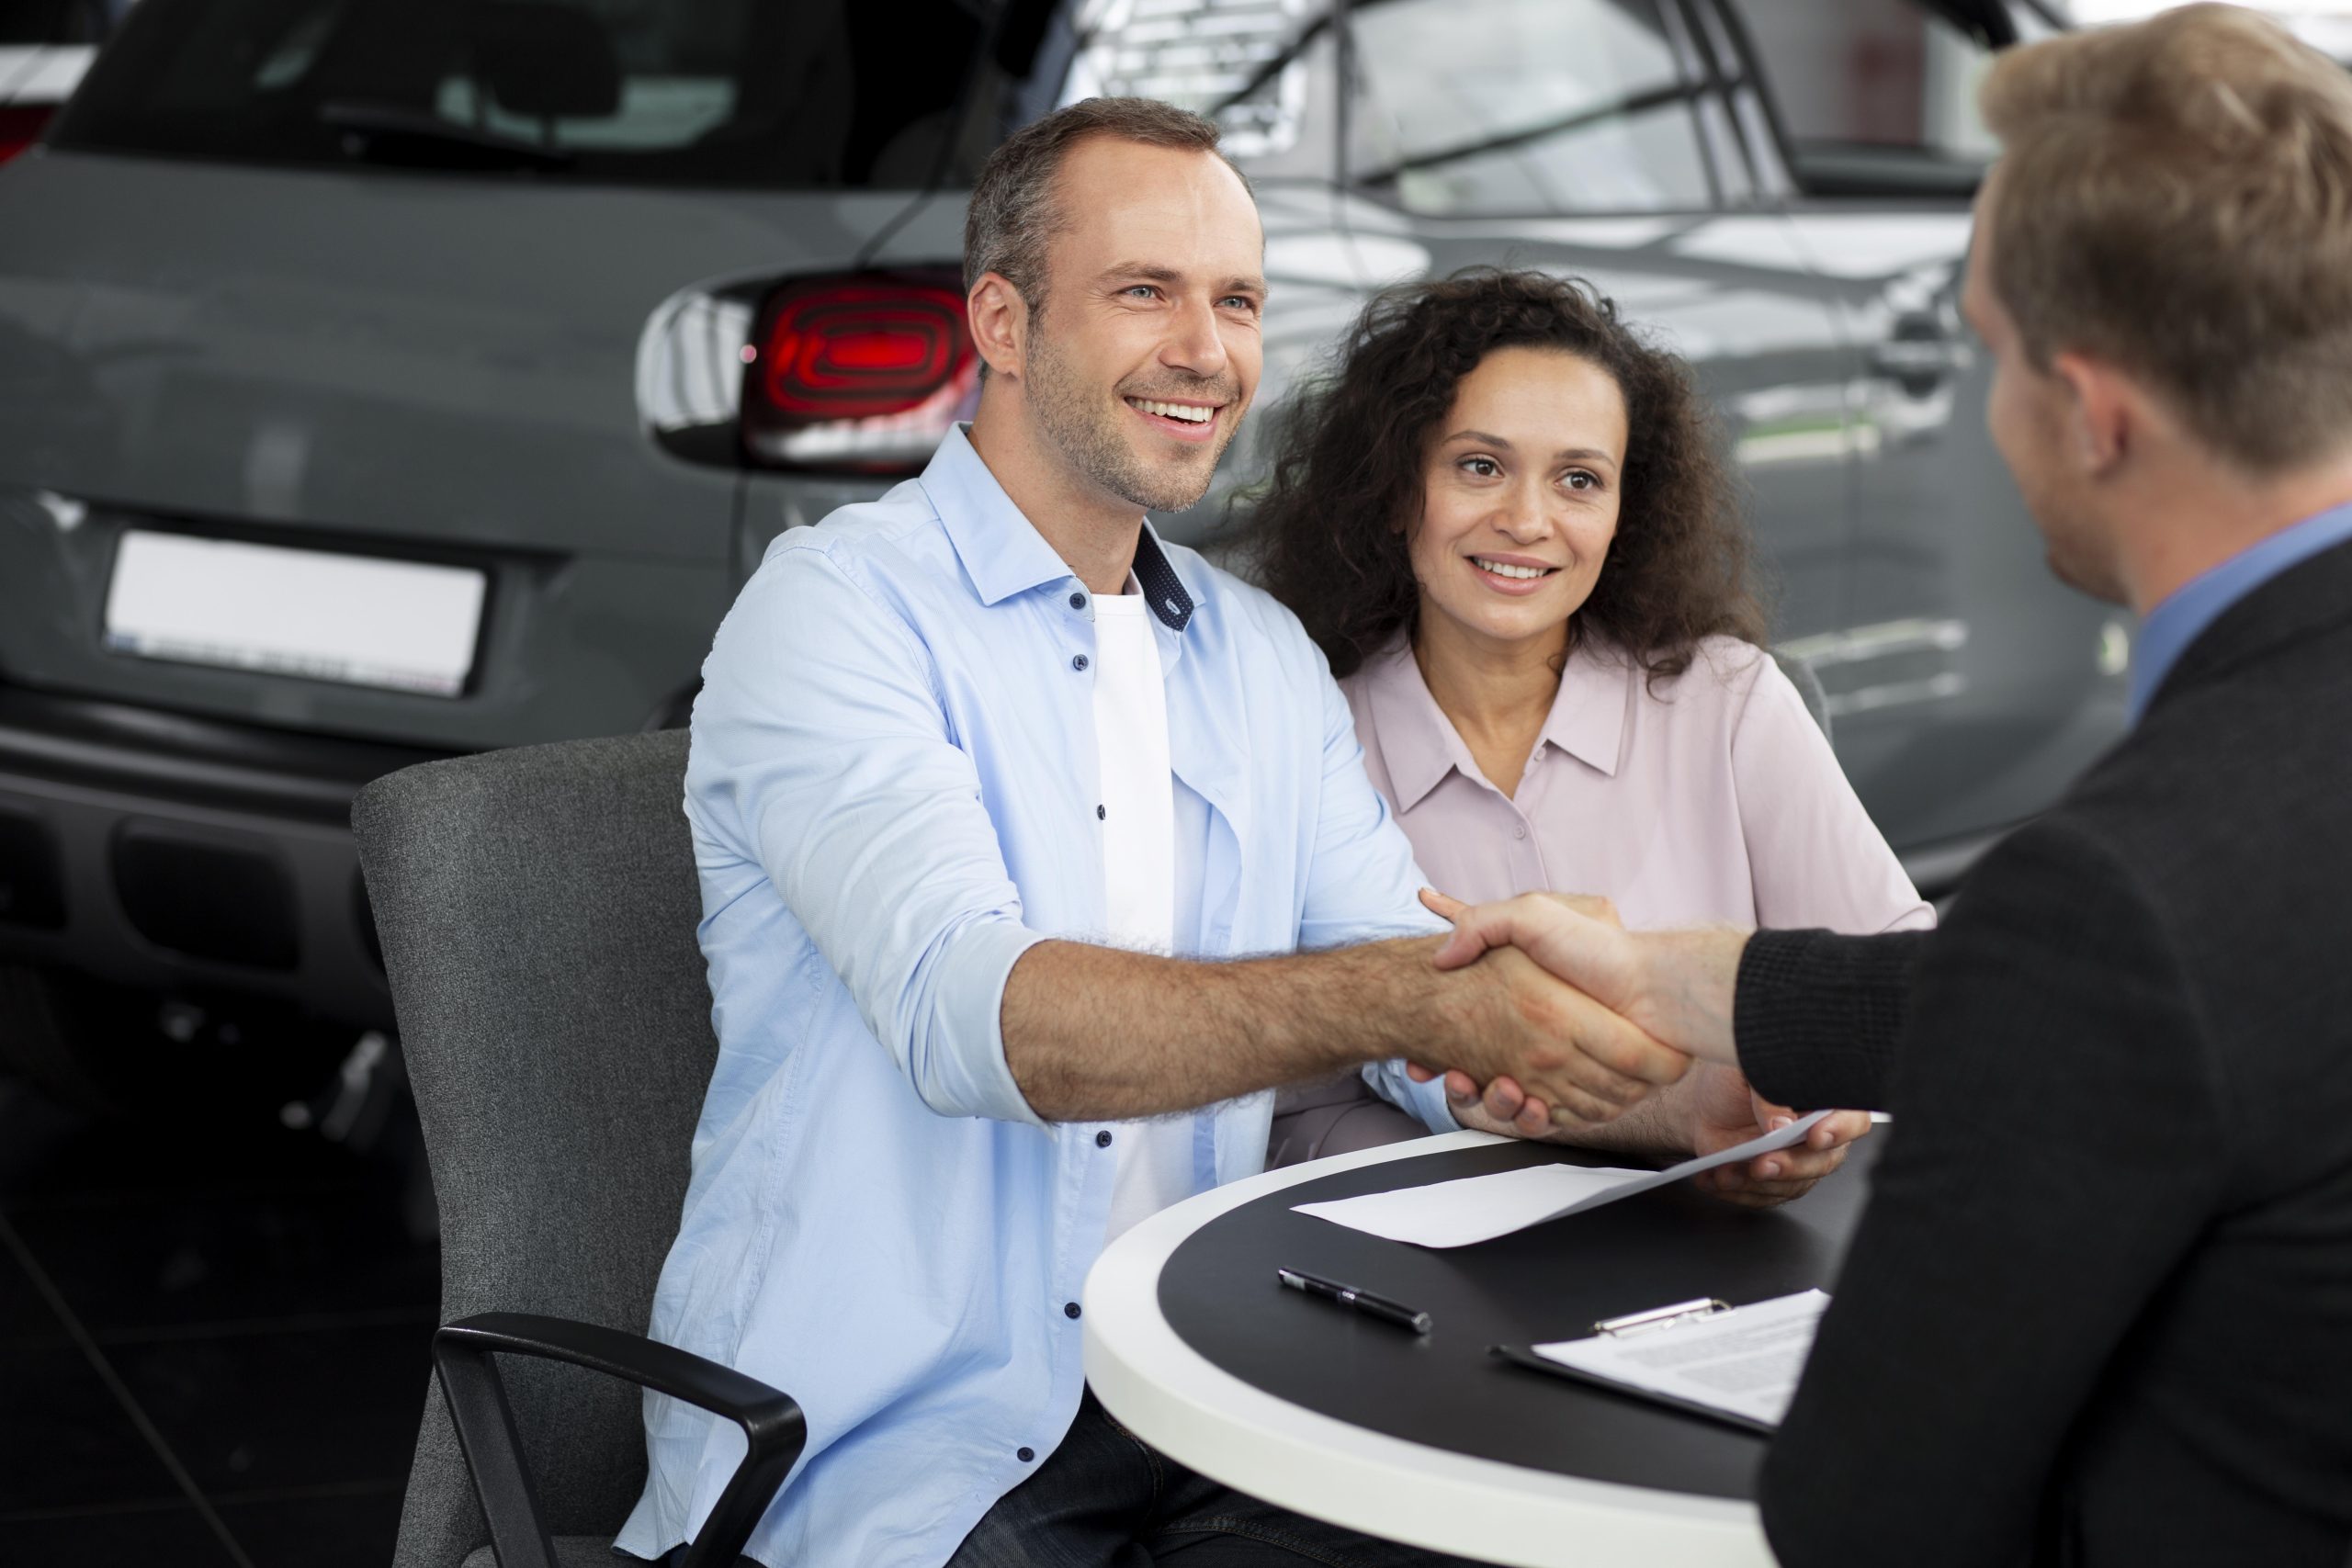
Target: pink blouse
(1715, 800)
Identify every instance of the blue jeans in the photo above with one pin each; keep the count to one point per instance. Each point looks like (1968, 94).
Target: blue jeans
(1106, 1499)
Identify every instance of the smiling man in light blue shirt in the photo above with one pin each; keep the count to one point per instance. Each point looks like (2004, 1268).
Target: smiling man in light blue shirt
(937, 1085)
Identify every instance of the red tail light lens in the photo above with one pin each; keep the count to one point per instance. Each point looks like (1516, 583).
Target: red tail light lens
(20, 127)
(862, 373)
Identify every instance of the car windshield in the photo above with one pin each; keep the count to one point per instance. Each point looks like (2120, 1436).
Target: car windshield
(784, 94)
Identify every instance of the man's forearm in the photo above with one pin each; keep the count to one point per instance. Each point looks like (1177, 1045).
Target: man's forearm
(1095, 1032)
(1099, 1032)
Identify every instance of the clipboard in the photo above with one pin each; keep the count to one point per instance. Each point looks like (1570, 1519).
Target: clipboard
(1631, 1323)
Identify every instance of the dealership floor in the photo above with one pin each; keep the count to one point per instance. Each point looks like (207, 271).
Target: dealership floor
(213, 1332)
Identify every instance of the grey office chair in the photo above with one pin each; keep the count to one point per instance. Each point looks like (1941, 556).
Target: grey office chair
(1809, 687)
(537, 911)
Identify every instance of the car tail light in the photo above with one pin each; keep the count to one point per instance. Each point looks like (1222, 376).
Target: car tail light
(862, 372)
(20, 127)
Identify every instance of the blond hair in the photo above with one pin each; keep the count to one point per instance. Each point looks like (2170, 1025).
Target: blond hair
(2175, 196)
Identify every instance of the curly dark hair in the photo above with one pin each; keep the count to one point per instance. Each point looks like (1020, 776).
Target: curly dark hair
(1332, 527)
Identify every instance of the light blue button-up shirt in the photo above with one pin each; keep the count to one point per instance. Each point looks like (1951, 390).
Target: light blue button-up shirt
(891, 787)
(2183, 616)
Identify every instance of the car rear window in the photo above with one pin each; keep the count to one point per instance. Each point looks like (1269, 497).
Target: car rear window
(1877, 96)
(785, 93)
(1494, 107)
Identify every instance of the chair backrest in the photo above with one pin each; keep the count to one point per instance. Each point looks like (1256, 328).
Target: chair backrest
(1809, 687)
(537, 910)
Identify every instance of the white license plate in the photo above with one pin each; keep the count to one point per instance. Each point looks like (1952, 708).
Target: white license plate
(401, 624)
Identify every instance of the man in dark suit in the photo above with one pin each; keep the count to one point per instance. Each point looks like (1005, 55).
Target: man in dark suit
(2099, 1310)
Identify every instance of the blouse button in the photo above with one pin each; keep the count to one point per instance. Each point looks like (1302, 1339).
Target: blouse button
(1519, 830)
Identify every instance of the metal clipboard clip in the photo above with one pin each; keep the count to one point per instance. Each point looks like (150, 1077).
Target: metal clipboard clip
(1660, 1317)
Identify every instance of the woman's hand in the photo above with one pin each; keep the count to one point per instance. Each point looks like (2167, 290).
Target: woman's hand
(1724, 1112)
(1713, 1109)
(1501, 1107)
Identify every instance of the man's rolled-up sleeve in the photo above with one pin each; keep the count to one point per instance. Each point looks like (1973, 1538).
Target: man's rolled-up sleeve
(822, 750)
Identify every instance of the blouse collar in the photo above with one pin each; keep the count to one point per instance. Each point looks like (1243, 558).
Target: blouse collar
(1420, 746)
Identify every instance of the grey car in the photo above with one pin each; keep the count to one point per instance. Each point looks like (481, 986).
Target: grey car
(382, 379)
(45, 47)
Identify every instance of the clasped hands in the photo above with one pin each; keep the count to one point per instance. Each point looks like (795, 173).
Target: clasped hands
(1599, 1036)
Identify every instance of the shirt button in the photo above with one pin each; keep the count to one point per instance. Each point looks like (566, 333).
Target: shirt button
(1102, 1140)
(1024, 1455)
(1070, 1308)
(1078, 601)
(1519, 832)
(1079, 662)
(1101, 815)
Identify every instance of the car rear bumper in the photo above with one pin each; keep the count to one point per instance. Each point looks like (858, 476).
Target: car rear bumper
(187, 855)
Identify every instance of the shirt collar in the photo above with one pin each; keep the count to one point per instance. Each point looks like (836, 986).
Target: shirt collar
(1417, 740)
(1002, 551)
(1587, 717)
(2184, 615)
(1157, 576)
(1420, 746)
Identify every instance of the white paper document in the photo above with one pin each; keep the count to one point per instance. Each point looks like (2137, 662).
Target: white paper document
(1480, 1208)
(1744, 1362)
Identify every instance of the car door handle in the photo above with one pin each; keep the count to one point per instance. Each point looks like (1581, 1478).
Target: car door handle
(1909, 359)
(1918, 356)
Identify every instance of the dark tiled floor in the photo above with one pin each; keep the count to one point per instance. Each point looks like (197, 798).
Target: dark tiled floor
(213, 1338)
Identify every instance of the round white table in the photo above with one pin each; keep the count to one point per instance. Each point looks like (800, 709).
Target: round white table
(1429, 1439)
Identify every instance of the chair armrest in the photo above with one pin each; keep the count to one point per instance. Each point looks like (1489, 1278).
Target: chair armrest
(773, 1424)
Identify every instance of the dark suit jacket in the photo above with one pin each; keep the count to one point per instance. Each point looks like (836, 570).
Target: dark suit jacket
(2099, 1310)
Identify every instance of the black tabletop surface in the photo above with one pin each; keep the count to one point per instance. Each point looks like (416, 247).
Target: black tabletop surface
(1553, 1281)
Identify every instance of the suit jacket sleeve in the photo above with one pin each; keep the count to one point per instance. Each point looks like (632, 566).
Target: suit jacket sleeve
(2059, 1143)
(1817, 1015)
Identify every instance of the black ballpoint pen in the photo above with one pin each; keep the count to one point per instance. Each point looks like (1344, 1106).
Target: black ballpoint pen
(1363, 1301)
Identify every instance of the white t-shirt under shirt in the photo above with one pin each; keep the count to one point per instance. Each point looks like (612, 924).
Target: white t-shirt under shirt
(1139, 825)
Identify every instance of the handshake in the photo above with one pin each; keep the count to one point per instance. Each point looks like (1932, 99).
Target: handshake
(1582, 1032)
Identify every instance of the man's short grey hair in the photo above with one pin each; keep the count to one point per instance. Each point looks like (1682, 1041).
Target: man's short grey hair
(1013, 215)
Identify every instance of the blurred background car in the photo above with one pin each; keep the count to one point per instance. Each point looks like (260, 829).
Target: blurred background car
(45, 47)
(381, 380)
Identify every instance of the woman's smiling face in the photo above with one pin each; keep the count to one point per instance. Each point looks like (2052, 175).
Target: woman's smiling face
(1519, 497)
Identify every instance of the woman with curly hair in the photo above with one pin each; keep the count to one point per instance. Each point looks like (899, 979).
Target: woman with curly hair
(1505, 522)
